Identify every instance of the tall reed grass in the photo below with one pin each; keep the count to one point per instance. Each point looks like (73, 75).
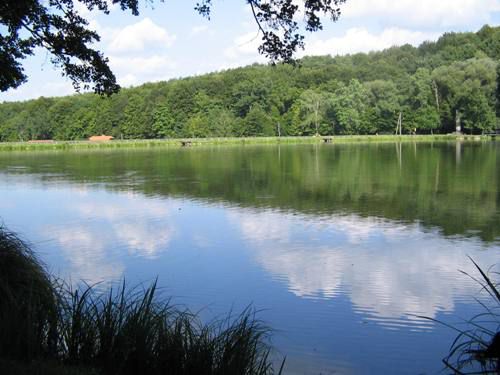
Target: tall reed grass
(120, 331)
(476, 348)
(28, 303)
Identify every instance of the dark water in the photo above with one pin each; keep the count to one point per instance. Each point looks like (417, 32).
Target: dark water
(341, 247)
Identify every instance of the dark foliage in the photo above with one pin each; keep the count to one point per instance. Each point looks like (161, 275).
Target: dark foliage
(28, 313)
(281, 34)
(56, 26)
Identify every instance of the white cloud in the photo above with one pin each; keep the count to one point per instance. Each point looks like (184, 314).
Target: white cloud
(243, 51)
(142, 227)
(82, 9)
(121, 224)
(361, 40)
(308, 272)
(404, 273)
(266, 225)
(201, 29)
(92, 15)
(86, 252)
(128, 80)
(244, 45)
(143, 238)
(137, 36)
(140, 64)
(113, 211)
(138, 69)
(53, 86)
(423, 13)
(145, 234)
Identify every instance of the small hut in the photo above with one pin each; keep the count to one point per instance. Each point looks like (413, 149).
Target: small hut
(100, 138)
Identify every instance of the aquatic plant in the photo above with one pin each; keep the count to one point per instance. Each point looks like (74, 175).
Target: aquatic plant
(476, 349)
(119, 331)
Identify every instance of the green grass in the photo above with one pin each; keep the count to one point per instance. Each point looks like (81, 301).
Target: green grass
(45, 324)
(144, 143)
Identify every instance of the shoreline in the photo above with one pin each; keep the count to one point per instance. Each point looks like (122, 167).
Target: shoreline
(194, 142)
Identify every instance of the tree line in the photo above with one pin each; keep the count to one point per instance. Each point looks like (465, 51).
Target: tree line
(432, 88)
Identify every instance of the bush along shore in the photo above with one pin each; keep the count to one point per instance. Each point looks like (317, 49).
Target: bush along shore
(189, 142)
(49, 327)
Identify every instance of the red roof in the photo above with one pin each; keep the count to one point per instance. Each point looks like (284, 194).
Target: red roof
(100, 138)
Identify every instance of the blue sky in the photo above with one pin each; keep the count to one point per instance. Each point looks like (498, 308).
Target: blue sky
(171, 40)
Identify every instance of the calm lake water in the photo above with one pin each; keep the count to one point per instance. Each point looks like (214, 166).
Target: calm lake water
(341, 247)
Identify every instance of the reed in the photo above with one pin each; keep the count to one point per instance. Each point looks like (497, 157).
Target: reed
(476, 348)
(28, 303)
(120, 331)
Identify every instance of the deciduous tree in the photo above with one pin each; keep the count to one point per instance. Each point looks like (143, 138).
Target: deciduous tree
(59, 27)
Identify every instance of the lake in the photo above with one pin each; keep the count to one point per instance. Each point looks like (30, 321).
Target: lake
(341, 248)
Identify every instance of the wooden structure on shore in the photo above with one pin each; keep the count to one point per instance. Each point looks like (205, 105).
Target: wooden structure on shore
(100, 138)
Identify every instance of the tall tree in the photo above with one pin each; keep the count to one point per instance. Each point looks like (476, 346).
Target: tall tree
(136, 122)
(310, 111)
(164, 123)
(422, 101)
(222, 122)
(349, 105)
(383, 100)
(257, 122)
(465, 86)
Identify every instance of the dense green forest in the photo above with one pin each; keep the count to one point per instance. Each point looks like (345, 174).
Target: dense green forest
(433, 86)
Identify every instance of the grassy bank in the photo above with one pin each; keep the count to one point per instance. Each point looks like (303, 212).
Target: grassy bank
(50, 327)
(145, 143)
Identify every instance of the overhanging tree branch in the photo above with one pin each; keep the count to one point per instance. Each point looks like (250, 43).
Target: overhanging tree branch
(56, 26)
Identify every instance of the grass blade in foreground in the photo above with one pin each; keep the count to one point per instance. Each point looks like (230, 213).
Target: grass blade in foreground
(476, 349)
(46, 324)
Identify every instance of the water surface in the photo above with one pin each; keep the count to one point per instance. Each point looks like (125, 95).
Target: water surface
(342, 247)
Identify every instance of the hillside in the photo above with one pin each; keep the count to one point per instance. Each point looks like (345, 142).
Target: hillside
(433, 86)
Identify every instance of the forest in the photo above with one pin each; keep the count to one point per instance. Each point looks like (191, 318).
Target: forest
(433, 87)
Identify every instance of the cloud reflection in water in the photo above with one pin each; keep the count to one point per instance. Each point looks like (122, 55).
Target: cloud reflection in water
(106, 224)
(391, 271)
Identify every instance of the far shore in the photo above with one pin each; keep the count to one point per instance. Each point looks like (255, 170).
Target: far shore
(189, 142)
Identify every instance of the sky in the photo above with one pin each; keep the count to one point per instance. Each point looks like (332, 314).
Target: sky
(171, 40)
